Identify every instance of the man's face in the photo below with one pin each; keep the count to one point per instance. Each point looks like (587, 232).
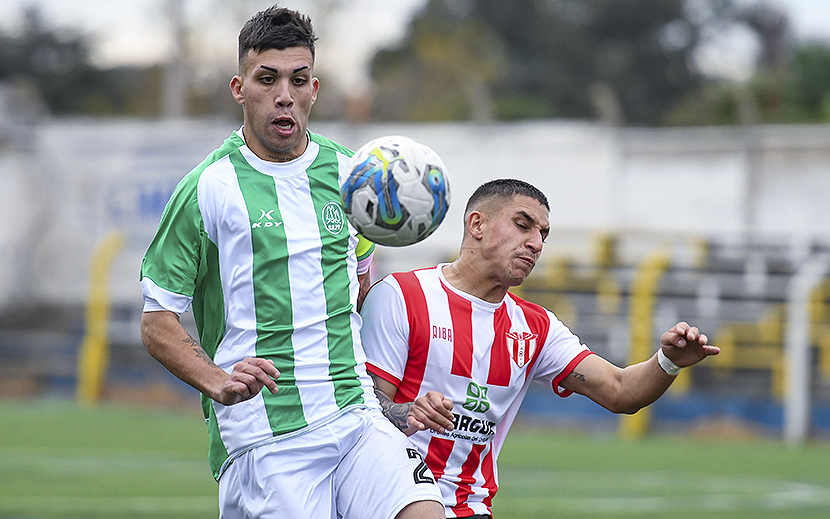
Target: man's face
(276, 90)
(513, 238)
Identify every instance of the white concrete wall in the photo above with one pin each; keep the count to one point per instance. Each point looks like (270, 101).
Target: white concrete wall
(65, 184)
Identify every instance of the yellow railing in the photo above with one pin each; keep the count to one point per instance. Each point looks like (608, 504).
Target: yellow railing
(644, 288)
(94, 355)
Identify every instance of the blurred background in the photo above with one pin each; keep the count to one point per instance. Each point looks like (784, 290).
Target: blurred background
(684, 146)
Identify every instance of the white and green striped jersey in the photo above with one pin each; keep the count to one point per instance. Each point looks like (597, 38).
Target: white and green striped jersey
(264, 253)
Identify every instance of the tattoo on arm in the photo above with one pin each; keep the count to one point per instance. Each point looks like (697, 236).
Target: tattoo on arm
(365, 285)
(578, 375)
(199, 351)
(395, 413)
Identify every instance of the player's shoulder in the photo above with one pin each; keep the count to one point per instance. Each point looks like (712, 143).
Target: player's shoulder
(528, 305)
(328, 144)
(232, 143)
(215, 158)
(420, 275)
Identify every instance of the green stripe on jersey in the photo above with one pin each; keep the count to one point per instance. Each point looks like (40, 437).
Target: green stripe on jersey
(269, 244)
(325, 190)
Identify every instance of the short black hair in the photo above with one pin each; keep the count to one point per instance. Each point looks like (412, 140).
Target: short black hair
(505, 188)
(276, 28)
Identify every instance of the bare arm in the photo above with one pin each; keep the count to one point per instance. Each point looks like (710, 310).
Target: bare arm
(431, 411)
(169, 343)
(365, 284)
(629, 389)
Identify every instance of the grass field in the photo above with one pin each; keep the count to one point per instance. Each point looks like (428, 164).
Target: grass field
(61, 461)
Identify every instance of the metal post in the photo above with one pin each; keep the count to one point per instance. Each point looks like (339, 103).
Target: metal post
(798, 371)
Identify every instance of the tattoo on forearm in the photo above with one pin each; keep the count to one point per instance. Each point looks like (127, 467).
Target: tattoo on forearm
(365, 285)
(199, 351)
(395, 413)
(578, 375)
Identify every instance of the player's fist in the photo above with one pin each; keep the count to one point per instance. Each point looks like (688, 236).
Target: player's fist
(247, 379)
(431, 411)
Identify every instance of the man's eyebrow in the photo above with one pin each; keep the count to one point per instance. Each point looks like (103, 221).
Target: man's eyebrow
(275, 71)
(529, 218)
(526, 216)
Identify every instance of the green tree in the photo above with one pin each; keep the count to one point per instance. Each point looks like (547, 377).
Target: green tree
(808, 85)
(791, 83)
(57, 65)
(443, 71)
(622, 61)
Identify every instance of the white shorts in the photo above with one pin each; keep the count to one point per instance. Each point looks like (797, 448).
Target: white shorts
(358, 466)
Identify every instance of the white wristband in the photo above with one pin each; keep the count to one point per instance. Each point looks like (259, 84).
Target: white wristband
(666, 364)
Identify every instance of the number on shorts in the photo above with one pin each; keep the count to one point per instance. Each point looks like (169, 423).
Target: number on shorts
(421, 472)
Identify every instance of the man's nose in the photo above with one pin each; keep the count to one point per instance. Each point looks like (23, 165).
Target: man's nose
(282, 95)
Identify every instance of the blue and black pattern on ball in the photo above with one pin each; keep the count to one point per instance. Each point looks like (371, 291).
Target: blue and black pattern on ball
(374, 171)
(438, 186)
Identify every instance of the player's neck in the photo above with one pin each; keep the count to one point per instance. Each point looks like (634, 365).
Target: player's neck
(467, 277)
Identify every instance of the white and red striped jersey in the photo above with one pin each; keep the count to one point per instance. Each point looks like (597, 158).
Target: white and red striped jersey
(422, 334)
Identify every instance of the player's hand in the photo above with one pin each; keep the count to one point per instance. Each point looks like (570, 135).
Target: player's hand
(685, 345)
(431, 411)
(247, 379)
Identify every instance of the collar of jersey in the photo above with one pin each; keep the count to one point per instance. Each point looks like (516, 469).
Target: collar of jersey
(487, 305)
(281, 169)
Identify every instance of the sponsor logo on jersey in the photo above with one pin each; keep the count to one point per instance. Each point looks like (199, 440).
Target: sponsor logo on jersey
(470, 427)
(464, 423)
(442, 332)
(476, 398)
(522, 346)
(333, 218)
(266, 219)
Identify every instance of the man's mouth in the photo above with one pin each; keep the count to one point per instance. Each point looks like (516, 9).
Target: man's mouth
(284, 126)
(529, 260)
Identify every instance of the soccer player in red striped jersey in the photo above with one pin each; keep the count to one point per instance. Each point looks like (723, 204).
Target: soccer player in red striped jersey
(452, 352)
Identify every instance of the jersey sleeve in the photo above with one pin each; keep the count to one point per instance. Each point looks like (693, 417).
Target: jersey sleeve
(560, 354)
(385, 331)
(364, 252)
(170, 265)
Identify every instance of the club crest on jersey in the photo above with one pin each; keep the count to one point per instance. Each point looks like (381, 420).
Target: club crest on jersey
(522, 346)
(333, 218)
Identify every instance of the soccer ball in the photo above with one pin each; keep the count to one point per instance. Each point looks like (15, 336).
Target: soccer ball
(397, 191)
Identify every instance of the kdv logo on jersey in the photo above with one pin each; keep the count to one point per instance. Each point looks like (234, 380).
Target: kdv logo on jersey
(476, 398)
(522, 346)
(266, 219)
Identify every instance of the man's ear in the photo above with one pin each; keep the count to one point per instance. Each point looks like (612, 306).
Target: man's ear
(236, 89)
(475, 220)
(315, 85)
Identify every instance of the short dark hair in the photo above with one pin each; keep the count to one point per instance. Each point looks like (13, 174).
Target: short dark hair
(276, 28)
(505, 188)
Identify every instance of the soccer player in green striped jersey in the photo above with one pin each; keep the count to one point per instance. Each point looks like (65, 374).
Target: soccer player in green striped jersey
(255, 241)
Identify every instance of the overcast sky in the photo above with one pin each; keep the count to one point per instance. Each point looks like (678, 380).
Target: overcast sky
(140, 31)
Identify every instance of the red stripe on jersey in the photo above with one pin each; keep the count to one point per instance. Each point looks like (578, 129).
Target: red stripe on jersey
(461, 313)
(489, 478)
(371, 368)
(438, 452)
(538, 321)
(499, 355)
(417, 313)
(567, 371)
(466, 480)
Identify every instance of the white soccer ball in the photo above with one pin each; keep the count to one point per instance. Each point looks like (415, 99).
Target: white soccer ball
(397, 192)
